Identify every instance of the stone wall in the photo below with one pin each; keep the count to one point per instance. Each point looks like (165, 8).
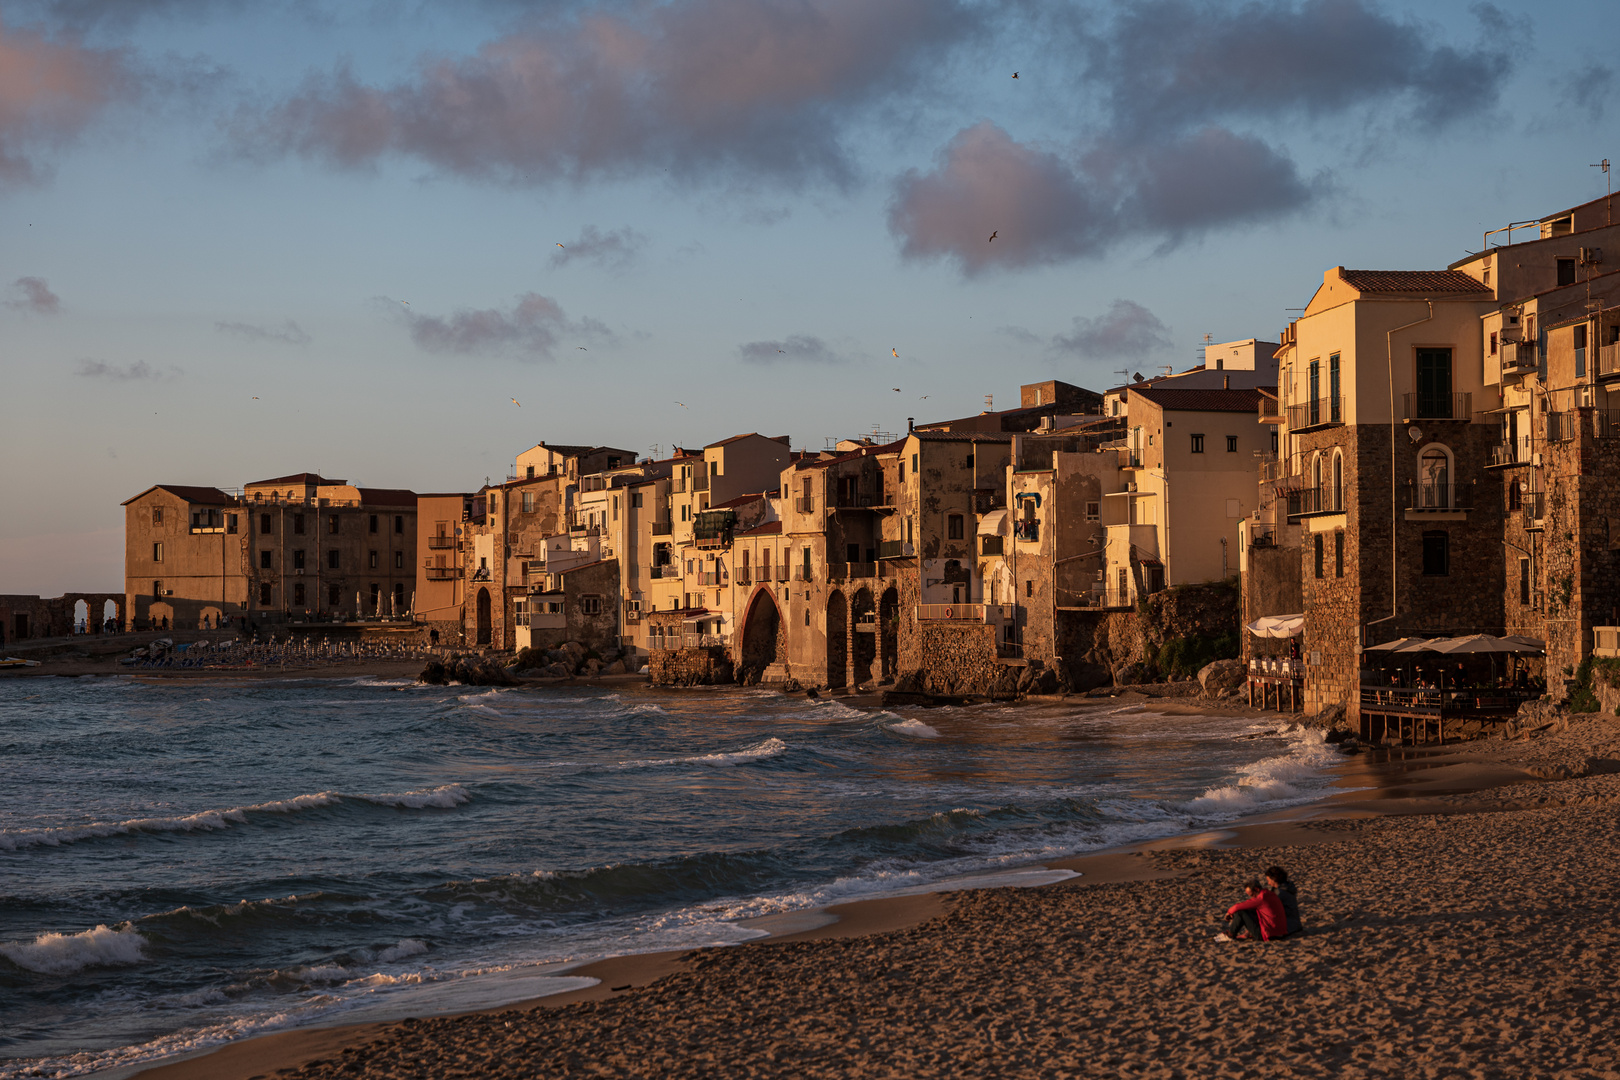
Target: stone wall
(1271, 586)
(689, 667)
(958, 658)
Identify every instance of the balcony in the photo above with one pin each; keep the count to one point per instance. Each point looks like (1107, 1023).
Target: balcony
(703, 641)
(1533, 506)
(805, 504)
(664, 572)
(482, 574)
(700, 483)
(896, 549)
(1435, 498)
(677, 486)
(1320, 413)
(857, 500)
(1518, 357)
(711, 542)
(986, 501)
(1510, 453)
(1322, 500)
(804, 573)
(951, 612)
(441, 573)
(1437, 407)
(849, 571)
(745, 576)
(712, 578)
(1027, 532)
(662, 528)
(1608, 361)
(442, 543)
(1273, 468)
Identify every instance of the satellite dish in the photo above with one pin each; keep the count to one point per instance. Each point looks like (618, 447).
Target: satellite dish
(1415, 433)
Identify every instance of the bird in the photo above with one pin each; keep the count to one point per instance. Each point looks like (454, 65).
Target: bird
(923, 398)
(559, 245)
(684, 405)
(255, 397)
(896, 353)
(582, 348)
(518, 403)
(995, 234)
(896, 389)
(407, 303)
(1015, 74)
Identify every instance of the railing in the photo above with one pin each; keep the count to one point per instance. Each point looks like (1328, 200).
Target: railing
(481, 574)
(703, 641)
(1274, 469)
(1533, 504)
(895, 549)
(662, 528)
(441, 573)
(441, 543)
(1495, 699)
(1518, 357)
(1009, 650)
(713, 577)
(992, 545)
(1422, 497)
(803, 573)
(1606, 423)
(677, 486)
(700, 483)
(856, 500)
(660, 573)
(986, 501)
(1320, 412)
(805, 504)
(1608, 360)
(1514, 451)
(950, 612)
(1322, 500)
(837, 571)
(744, 576)
(846, 571)
(1262, 536)
(781, 573)
(1437, 406)
(1132, 459)
(1269, 410)
(721, 540)
(1027, 531)
(866, 622)
(1561, 426)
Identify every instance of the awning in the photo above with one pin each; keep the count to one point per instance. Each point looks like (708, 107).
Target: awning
(1277, 626)
(991, 523)
(1470, 644)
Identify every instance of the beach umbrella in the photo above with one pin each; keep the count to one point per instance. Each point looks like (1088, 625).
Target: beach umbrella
(1403, 645)
(1478, 643)
(379, 605)
(1277, 626)
(412, 611)
(391, 611)
(357, 608)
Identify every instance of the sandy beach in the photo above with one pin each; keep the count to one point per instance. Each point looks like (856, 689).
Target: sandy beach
(1460, 922)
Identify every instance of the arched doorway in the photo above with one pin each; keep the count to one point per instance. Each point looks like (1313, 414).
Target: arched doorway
(761, 631)
(837, 638)
(483, 617)
(109, 615)
(889, 627)
(208, 619)
(81, 617)
(865, 636)
(162, 616)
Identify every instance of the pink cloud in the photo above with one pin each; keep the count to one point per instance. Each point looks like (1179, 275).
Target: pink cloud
(50, 90)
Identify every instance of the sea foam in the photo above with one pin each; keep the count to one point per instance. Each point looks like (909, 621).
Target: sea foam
(769, 748)
(63, 954)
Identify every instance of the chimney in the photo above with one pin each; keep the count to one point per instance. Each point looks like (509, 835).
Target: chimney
(1228, 381)
(911, 422)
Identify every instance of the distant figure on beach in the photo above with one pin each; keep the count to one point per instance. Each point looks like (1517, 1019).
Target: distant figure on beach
(1277, 881)
(1258, 918)
(433, 637)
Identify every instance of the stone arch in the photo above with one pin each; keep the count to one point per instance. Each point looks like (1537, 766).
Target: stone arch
(761, 632)
(837, 638)
(208, 618)
(81, 617)
(109, 614)
(889, 631)
(865, 646)
(161, 615)
(483, 616)
(1436, 469)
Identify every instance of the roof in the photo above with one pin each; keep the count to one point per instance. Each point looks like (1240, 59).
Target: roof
(770, 528)
(742, 500)
(783, 439)
(581, 566)
(1202, 400)
(565, 449)
(298, 478)
(851, 455)
(387, 496)
(208, 496)
(1412, 281)
(966, 436)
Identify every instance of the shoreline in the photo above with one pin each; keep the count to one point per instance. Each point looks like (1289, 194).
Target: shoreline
(1371, 785)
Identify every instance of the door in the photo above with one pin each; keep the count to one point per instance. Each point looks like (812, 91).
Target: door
(1434, 384)
(483, 617)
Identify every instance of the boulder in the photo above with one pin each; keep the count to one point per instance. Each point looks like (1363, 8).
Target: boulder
(591, 668)
(1006, 684)
(559, 670)
(1222, 675)
(615, 668)
(433, 674)
(1045, 682)
(1084, 676)
(910, 682)
(1131, 674)
(576, 652)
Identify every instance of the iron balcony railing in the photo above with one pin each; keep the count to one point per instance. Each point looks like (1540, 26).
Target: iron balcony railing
(1533, 504)
(986, 501)
(950, 612)
(805, 504)
(1437, 407)
(1513, 451)
(662, 528)
(781, 573)
(846, 571)
(856, 500)
(713, 577)
(804, 573)
(700, 483)
(1608, 360)
(1322, 500)
(441, 573)
(1561, 426)
(1606, 423)
(1440, 497)
(664, 572)
(1318, 412)
(1518, 357)
(678, 485)
(703, 641)
(1027, 531)
(1282, 468)
(745, 576)
(441, 543)
(895, 549)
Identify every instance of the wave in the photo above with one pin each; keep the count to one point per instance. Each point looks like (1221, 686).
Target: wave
(769, 748)
(445, 796)
(63, 954)
(915, 728)
(1271, 780)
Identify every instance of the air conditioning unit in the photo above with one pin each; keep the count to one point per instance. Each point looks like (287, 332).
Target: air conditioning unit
(168, 592)
(1591, 256)
(298, 572)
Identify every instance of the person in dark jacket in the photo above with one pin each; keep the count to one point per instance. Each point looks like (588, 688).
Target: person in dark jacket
(1277, 881)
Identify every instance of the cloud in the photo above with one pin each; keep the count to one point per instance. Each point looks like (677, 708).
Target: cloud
(139, 370)
(614, 250)
(288, 333)
(50, 90)
(1589, 88)
(796, 349)
(1172, 65)
(1126, 330)
(1046, 206)
(530, 329)
(708, 88)
(36, 296)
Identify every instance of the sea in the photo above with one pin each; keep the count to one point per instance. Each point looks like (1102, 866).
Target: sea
(188, 862)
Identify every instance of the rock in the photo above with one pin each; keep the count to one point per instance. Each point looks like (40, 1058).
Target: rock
(1222, 675)
(576, 652)
(910, 682)
(1131, 674)
(1026, 679)
(1045, 682)
(434, 674)
(1006, 684)
(811, 693)
(559, 670)
(615, 668)
(1085, 675)
(592, 668)
(791, 686)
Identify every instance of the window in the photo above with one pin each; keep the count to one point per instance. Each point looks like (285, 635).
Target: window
(615, 508)
(298, 594)
(635, 500)
(1338, 483)
(157, 515)
(264, 593)
(1434, 384)
(1524, 581)
(1580, 351)
(399, 524)
(157, 552)
(264, 561)
(1434, 477)
(264, 524)
(373, 562)
(714, 468)
(1436, 554)
(230, 523)
(1338, 554)
(1231, 444)
(298, 560)
(953, 526)
(1566, 271)
(332, 524)
(528, 473)
(334, 560)
(1093, 511)
(1029, 587)
(1273, 440)
(157, 588)
(1335, 409)
(1493, 342)
(1314, 402)
(1317, 539)
(399, 560)
(298, 524)
(686, 512)
(1198, 444)
(528, 502)
(913, 463)
(990, 545)
(373, 523)
(334, 594)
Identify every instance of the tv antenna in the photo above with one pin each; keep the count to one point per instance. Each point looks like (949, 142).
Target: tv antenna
(655, 452)
(989, 403)
(1604, 165)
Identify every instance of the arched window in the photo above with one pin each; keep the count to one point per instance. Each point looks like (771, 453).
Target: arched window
(1434, 477)
(1316, 482)
(1338, 480)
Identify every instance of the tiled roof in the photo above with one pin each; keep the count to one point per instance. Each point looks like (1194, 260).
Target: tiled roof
(1203, 400)
(742, 500)
(207, 496)
(297, 478)
(1412, 281)
(966, 436)
(767, 529)
(565, 449)
(387, 496)
(851, 455)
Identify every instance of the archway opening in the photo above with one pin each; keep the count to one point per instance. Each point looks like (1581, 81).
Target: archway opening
(761, 634)
(483, 617)
(109, 615)
(889, 627)
(865, 635)
(837, 638)
(208, 619)
(81, 617)
(162, 616)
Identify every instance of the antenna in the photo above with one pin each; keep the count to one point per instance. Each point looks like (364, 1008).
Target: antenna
(1604, 165)
(989, 403)
(655, 451)
(1124, 374)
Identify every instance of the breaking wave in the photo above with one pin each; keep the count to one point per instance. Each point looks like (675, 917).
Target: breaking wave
(63, 954)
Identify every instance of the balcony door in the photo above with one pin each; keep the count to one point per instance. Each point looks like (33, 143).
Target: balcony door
(1434, 383)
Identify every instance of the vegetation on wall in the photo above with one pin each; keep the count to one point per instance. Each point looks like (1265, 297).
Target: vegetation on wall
(1184, 657)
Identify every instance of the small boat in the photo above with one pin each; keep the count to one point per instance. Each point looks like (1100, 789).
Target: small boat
(12, 661)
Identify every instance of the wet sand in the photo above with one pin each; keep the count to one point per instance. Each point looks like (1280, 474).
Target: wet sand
(1460, 922)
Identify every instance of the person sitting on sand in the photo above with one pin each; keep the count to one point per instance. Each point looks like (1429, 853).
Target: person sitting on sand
(1258, 918)
(1277, 881)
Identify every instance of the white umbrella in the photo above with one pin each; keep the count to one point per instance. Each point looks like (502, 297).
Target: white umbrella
(357, 608)
(379, 605)
(1277, 626)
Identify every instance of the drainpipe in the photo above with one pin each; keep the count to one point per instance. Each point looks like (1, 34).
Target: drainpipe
(1394, 550)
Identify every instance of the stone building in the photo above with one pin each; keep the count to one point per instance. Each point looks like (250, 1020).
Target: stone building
(186, 556)
(571, 603)
(441, 524)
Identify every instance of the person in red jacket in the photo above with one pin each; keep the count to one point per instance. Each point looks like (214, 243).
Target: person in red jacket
(1259, 917)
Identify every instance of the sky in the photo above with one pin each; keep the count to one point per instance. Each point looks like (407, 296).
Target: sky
(399, 243)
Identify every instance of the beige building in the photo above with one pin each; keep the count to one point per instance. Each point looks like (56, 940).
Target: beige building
(185, 557)
(441, 522)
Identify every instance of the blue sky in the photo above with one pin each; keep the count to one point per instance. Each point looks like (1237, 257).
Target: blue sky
(211, 210)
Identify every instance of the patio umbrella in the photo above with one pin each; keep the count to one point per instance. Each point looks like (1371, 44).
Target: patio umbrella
(1405, 644)
(1484, 643)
